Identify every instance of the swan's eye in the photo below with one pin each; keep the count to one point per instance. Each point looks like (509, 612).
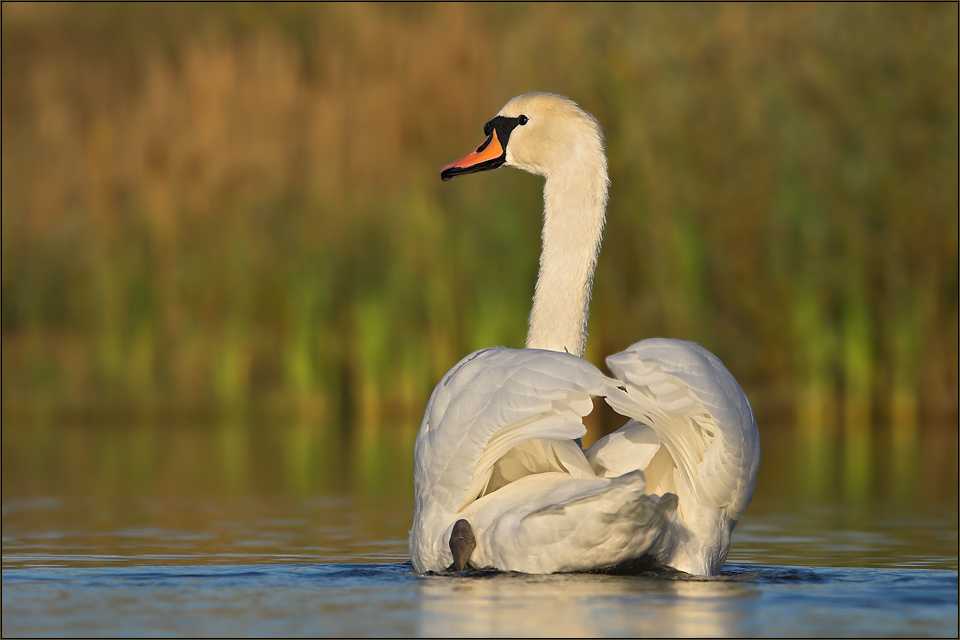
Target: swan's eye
(522, 120)
(487, 129)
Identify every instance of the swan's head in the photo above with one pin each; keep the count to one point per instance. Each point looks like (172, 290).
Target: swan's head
(542, 133)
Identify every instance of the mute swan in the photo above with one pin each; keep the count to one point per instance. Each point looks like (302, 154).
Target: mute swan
(500, 478)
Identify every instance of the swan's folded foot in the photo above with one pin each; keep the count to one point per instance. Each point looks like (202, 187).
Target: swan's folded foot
(462, 544)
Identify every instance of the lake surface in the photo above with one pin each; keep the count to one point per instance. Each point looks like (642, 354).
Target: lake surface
(151, 531)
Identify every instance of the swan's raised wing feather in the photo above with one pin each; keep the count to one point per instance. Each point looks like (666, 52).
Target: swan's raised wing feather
(491, 402)
(699, 412)
(630, 447)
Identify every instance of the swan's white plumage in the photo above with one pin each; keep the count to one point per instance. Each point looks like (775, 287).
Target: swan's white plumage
(693, 403)
(489, 403)
(497, 443)
(581, 510)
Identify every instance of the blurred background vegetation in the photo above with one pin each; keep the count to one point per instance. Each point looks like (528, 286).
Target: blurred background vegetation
(226, 210)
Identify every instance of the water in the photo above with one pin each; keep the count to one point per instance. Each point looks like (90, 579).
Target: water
(365, 599)
(102, 538)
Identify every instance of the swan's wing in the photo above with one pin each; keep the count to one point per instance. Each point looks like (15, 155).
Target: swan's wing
(699, 412)
(491, 402)
(630, 447)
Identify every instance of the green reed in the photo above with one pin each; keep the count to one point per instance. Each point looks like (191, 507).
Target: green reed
(220, 208)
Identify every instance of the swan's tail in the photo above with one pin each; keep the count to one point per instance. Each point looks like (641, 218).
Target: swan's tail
(550, 522)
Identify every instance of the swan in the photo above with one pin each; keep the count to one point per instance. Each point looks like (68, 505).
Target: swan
(500, 479)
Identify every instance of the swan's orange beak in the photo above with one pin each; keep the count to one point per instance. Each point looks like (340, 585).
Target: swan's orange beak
(489, 155)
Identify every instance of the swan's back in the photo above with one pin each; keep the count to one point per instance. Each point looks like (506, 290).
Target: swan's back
(496, 448)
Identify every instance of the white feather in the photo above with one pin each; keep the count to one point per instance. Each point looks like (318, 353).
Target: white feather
(496, 446)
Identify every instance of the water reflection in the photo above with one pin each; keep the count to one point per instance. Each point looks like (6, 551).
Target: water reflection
(138, 597)
(581, 606)
(236, 459)
(242, 494)
(111, 531)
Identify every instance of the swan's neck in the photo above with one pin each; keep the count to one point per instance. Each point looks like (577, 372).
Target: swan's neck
(575, 204)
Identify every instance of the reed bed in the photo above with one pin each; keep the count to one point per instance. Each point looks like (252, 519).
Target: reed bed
(221, 208)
